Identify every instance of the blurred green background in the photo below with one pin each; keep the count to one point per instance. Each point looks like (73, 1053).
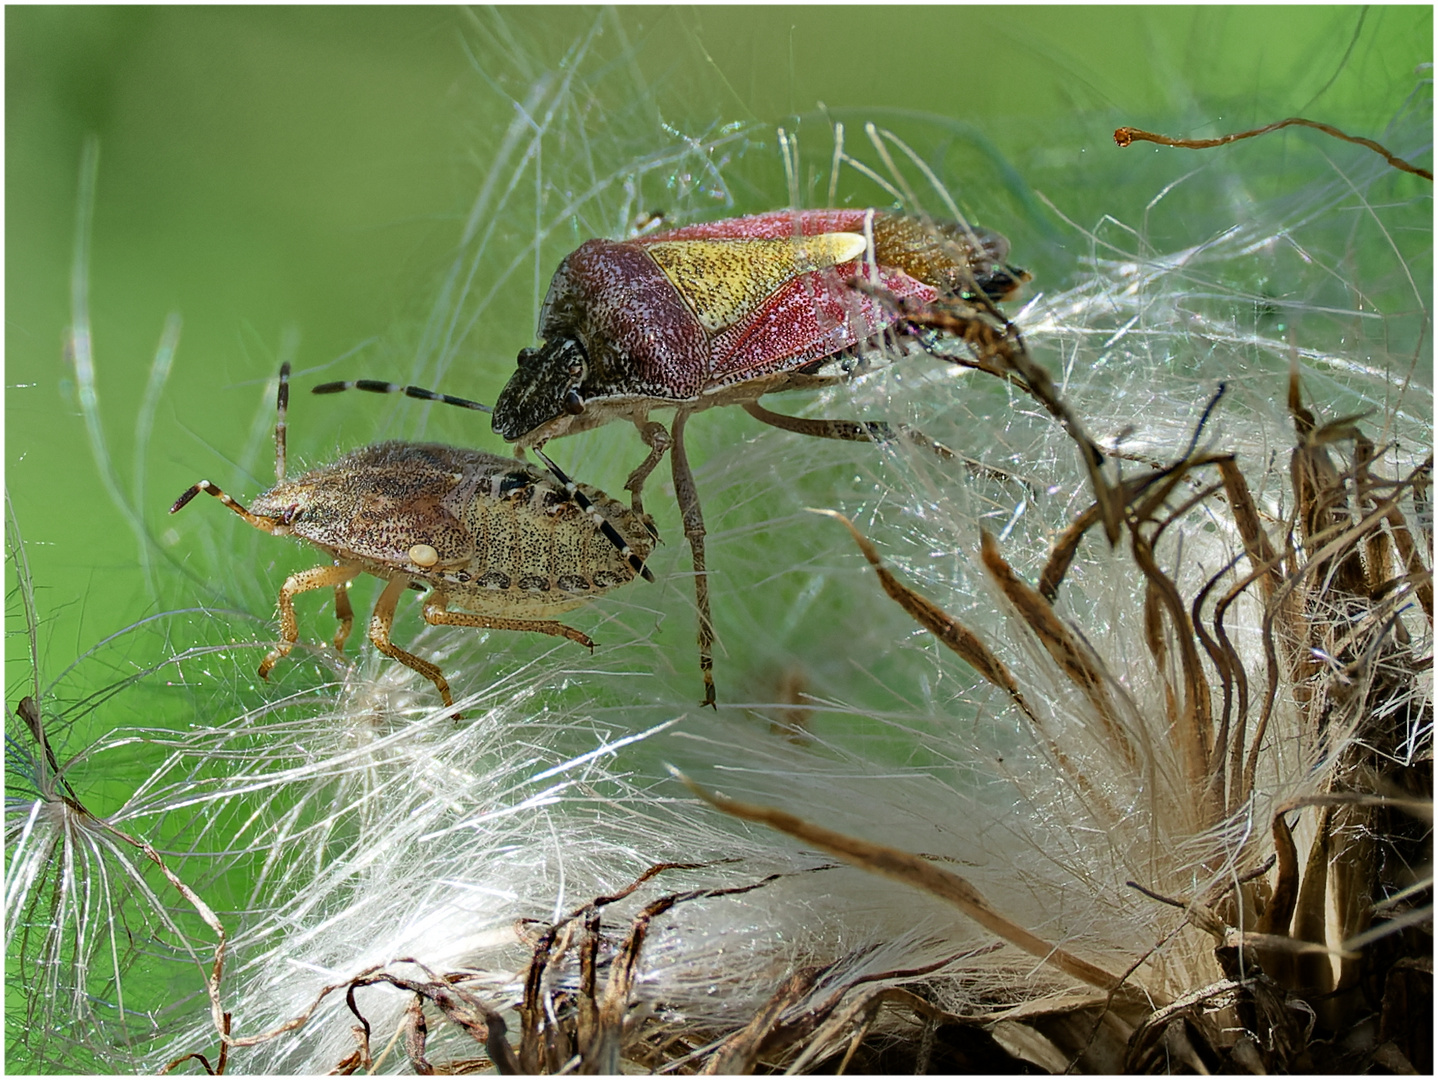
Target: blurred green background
(295, 182)
(306, 171)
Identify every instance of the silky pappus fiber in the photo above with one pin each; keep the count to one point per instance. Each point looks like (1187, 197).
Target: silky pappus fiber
(507, 543)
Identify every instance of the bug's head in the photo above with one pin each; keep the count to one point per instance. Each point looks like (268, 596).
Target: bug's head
(301, 507)
(365, 494)
(995, 278)
(542, 398)
(384, 503)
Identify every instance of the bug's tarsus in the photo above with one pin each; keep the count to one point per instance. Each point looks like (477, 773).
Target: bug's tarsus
(345, 614)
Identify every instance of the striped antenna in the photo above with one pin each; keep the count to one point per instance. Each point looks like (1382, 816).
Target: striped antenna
(282, 411)
(375, 386)
(594, 515)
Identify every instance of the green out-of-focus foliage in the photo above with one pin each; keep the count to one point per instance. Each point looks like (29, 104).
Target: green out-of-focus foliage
(293, 183)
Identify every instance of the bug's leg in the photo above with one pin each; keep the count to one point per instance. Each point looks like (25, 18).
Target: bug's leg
(437, 613)
(693, 514)
(877, 431)
(319, 577)
(849, 430)
(379, 627)
(345, 614)
(656, 437)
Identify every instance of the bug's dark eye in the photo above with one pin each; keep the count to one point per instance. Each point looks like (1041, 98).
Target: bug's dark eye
(573, 403)
(292, 514)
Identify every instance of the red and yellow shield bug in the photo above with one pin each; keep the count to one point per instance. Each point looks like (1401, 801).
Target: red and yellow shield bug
(723, 313)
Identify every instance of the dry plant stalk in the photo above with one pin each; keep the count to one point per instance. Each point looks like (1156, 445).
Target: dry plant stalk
(1286, 932)
(1291, 927)
(920, 873)
(587, 1030)
(1127, 136)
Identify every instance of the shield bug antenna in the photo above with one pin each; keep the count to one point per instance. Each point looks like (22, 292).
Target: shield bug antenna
(600, 521)
(726, 312)
(498, 538)
(376, 386)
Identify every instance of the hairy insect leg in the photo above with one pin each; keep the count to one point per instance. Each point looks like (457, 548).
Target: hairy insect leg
(877, 431)
(848, 430)
(693, 515)
(656, 437)
(379, 627)
(345, 614)
(319, 577)
(437, 613)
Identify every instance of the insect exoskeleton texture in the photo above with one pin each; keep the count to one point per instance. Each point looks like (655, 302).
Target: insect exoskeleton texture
(724, 312)
(495, 535)
(507, 543)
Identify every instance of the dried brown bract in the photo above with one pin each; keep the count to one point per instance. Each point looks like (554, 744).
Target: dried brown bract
(1127, 136)
(1302, 947)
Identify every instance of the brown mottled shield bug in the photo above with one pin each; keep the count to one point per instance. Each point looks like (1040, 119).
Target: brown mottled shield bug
(497, 537)
(723, 313)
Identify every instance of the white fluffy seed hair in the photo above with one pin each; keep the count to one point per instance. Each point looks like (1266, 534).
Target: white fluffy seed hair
(353, 823)
(419, 839)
